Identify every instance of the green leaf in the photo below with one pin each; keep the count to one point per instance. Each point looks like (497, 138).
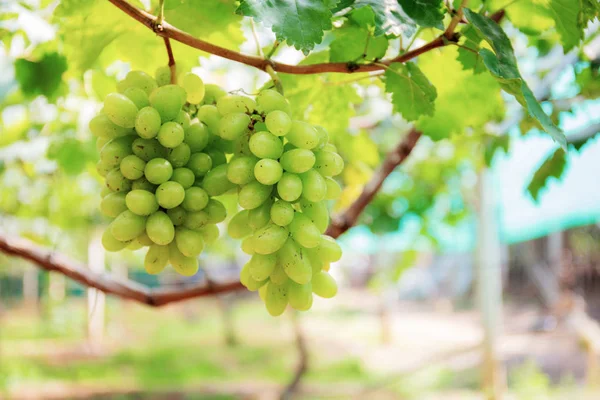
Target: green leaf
(387, 16)
(71, 155)
(566, 16)
(41, 77)
(468, 54)
(493, 144)
(588, 80)
(353, 43)
(503, 66)
(412, 93)
(590, 10)
(552, 167)
(426, 13)
(300, 23)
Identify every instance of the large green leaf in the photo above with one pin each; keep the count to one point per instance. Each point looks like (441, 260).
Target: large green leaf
(426, 13)
(300, 23)
(41, 77)
(387, 16)
(468, 54)
(412, 93)
(566, 16)
(353, 43)
(503, 65)
(552, 167)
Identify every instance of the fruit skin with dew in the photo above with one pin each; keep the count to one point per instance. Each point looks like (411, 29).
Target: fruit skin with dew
(167, 150)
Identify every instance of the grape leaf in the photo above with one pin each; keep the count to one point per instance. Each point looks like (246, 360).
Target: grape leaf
(426, 13)
(300, 23)
(352, 43)
(41, 77)
(552, 167)
(590, 10)
(71, 154)
(566, 17)
(387, 16)
(412, 93)
(468, 54)
(503, 66)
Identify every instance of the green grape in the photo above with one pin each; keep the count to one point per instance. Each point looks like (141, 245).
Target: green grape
(195, 219)
(269, 239)
(295, 262)
(177, 215)
(266, 145)
(304, 231)
(217, 157)
(120, 110)
(138, 79)
(194, 88)
(315, 260)
(323, 137)
(179, 156)
(324, 285)
(271, 100)
(277, 299)
(147, 123)
(260, 216)
(216, 183)
(196, 136)
(253, 195)
(241, 146)
(261, 266)
(210, 233)
(330, 147)
(168, 101)
(288, 146)
(148, 149)
(143, 184)
(314, 187)
(297, 160)
(103, 169)
(183, 119)
(156, 259)
(127, 226)
(113, 204)
(102, 127)
(141, 202)
(170, 134)
(134, 245)
(212, 93)
(235, 104)
(334, 191)
(278, 123)
(238, 226)
(329, 250)
(163, 75)
(232, 126)
(100, 142)
(160, 228)
(170, 194)
(189, 243)
(132, 167)
(195, 199)
(137, 96)
(105, 191)
(184, 176)
(248, 245)
(300, 296)
(158, 171)
(116, 182)
(260, 126)
(328, 163)
(216, 211)
(116, 150)
(282, 213)
(183, 265)
(199, 164)
(289, 187)
(268, 172)
(241, 170)
(144, 240)
(110, 243)
(211, 117)
(248, 281)
(278, 276)
(318, 214)
(303, 135)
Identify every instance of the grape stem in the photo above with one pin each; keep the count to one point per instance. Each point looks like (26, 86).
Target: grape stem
(172, 65)
(276, 81)
(169, 31)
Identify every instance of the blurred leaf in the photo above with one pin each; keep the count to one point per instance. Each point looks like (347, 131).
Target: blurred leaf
(493, 144)
(588, 80)
(41, 77)
(552, 167)
(300, 23)
(590, 10)
(388, 16)
(531, 17)
(426, 13)
(566, 14)
(503, 65)
(352, 43)
(71, 154)
(412, 93)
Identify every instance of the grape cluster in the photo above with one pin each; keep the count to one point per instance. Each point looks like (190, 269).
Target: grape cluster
(284, 171)
(159, 168)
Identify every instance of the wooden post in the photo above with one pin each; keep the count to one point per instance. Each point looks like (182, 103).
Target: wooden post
(488, 268)
(96, 298)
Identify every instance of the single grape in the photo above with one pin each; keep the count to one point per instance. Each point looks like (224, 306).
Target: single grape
(138, 79)
(148, 149)
(271, 100)
(127, 226)
(184, 176)
(266, 145)
(102, 127)
(102, 169)
(238, 226)
(113, 204)
(141, 202)
(216, 183)
(216, 211)
(183, 119)
(132, 167)
(116, 150)
(277, 299)
(330, 147)
(179, 156)
(289, 187)
(282, 213)
(261, 266)
(314, 187)
(248, 281)
(297, 160)
(100, 142)
(177, 215)
(137, 96)
(210, 233)
(269, 239)
(324, 285)
(189, 242)
(199, 164)
(318, 214)
(232, 126)
(241, 170)
(323, 137)
(253, 195)
(110, 243)
(156, 259)
(168, 101)
(278, 123)
(329, 250)
(147, 123)
(170, 134)
(268, 172)
(170, 194)
(295, 262)
(235, 104)
(117, 182)
(143, 184)
(212, 93)
(196, 136)
(278, 276)
(163, 75)
(194, 88)
(328, 163)
(300, 296)
(334, 191)
(158, 171)
(120, 110)
(260, 216)
(160, 228)
(210, 116)
(303, 135)
(195, 219)
(186, 266)
(195, 199)
(304, 231)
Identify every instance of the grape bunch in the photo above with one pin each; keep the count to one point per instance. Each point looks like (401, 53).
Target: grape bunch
(159, 167)
(284, 169)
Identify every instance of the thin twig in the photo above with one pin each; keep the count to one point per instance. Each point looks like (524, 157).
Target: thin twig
(259, 50)
(172, 65)
(273, 49)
